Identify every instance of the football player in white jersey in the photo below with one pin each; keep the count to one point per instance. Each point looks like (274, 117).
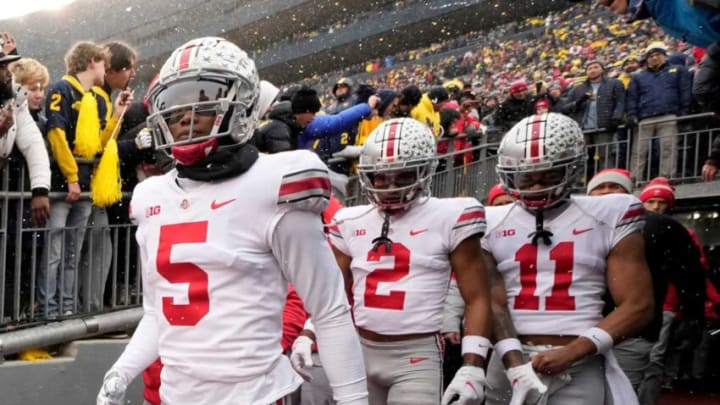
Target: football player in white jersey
(220, 237)
(397, 255)
(553, 257)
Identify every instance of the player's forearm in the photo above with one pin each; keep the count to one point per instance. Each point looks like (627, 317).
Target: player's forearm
(503, 328)
(318, 282)
(628, 318)
(141, 351)
(502, 325)
(478, 321)
(341, 356)
(478, 317)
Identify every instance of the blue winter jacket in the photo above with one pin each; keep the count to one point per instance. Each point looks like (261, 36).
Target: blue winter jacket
(328, 134)
(694, 24)
(657, 92)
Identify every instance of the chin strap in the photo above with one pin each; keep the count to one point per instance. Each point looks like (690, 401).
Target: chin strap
(383, 238)
(540, 232)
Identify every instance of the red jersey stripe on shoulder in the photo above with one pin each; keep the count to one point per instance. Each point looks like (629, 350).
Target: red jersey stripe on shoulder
(303, 185)
(633, 212)
(297, 186)
(471, 216)
(477, 213)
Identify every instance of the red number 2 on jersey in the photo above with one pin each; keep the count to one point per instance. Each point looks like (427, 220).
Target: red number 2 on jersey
(396, 299)
(560, 298)
(198, 302)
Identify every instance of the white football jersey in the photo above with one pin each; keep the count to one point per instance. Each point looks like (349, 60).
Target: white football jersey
(558, 289)
(210, 277)
(403, 291)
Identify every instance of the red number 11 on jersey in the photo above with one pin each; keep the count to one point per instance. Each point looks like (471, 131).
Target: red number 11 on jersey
(560, 298)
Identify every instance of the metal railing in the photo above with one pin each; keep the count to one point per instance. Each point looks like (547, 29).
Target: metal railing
(689, 138)
(459, 176)
(106, 273)
(466, 172)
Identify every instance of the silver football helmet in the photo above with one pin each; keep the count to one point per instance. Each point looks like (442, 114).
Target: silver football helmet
(207, 80)
(541, 158)
(397, 163)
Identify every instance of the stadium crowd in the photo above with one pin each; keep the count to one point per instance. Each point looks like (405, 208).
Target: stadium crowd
(627, 86)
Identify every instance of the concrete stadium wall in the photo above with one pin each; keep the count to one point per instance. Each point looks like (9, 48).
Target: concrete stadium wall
(73, 378)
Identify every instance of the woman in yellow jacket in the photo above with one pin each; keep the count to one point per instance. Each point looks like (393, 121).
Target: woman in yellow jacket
(386, 110)
(428, 110)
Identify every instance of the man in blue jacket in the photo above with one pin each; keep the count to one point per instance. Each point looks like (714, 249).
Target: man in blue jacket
(598, 105)
(331, 133)
(655, 97)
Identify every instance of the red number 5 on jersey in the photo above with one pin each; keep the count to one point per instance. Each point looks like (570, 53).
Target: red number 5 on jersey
(197, 279)
(560, 298)
(396, 299)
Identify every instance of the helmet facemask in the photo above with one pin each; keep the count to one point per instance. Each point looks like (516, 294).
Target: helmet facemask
(199, 109)
(542, 186)
(395, 187)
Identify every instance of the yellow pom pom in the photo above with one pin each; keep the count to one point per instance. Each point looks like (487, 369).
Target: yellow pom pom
(106, 184)
(87, 131)
(34, 355)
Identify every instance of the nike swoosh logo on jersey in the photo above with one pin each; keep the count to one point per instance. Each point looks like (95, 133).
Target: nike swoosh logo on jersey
(215, 205)
(417, 232)
(416, 360)
(579, 231)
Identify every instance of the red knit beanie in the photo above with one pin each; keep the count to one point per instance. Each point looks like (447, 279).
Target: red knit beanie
(616, 176)
(495, 192)
(659, 187)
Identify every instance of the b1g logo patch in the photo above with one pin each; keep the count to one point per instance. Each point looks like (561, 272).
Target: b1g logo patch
(505, 233)
(152, 211)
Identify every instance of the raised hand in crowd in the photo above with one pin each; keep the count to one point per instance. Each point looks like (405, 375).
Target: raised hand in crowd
(122, 101)
(373, 102)
(8, 43)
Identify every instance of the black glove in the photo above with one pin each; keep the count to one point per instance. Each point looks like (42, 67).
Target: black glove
(472, 133)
